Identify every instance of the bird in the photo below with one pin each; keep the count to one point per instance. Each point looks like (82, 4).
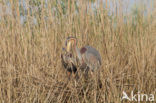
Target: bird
(88, 57)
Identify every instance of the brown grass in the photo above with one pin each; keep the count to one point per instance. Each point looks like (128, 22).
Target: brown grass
(30, 66)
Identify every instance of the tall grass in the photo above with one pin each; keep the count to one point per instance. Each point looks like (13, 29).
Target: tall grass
(30, 65)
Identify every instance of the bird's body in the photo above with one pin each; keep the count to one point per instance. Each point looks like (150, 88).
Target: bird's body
(86, 58)
(91, 57)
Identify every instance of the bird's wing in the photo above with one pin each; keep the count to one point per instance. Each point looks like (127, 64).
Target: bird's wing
(93, 53)
(91, 57)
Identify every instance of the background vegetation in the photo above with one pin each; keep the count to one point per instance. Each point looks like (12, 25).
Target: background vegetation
(31, 39)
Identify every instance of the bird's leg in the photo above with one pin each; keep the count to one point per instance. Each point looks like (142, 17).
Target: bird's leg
(85, 74)
(99, 80)
(94, 75)
(76, 76)
(68, 74)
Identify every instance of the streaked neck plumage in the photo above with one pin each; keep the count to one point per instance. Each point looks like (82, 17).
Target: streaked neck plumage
(78, 54)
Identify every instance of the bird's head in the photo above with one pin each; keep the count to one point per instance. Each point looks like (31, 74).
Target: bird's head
(70, 43)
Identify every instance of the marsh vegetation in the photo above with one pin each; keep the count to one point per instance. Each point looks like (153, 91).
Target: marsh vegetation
(30, 64)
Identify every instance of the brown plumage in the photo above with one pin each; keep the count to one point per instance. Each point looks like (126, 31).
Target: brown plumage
(67, 62)
(87, 58)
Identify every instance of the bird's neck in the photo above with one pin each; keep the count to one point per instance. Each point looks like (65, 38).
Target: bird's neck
(78, 54)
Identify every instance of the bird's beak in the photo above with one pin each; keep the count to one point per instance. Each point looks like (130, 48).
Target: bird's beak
(69, 47)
